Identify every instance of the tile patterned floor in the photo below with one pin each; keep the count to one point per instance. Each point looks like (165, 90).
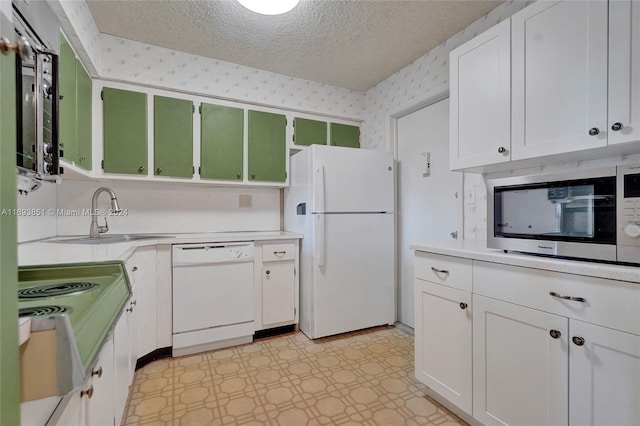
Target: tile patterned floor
(360, 378)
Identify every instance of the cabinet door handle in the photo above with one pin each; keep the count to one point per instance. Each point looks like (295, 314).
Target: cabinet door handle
(502, 150)
(267, 272)
(578, 341)
(141, 169)
(280, 252)
(594, 131)
(88, 392)
(135, 268)
(21, 47)
(463, 305)
(616, 126)
(563, 297)
(439, 271)
(134, 302)
(97, 372)
(158, 170)
(555, 334)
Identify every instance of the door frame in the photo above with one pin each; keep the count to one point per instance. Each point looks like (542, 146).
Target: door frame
(428, 98)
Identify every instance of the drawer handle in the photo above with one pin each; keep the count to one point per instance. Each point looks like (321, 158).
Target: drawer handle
(555, 334)
(463, 305)
(278, 253)
(97, 372)
(439, 271)
(563, 297)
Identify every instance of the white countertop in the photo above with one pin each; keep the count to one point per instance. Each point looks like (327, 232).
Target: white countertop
(49, 252)
(478, 251)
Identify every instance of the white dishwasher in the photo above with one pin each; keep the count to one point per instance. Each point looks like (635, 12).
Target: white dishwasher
(212, 296)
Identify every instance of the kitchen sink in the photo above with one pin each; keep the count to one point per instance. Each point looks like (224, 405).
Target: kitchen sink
(110, 239)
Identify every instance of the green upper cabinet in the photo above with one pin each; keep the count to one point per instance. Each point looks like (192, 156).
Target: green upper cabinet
(84, 133)
(344, 135)
(221, 142)
(67, 105)
(172, 137)
(75, 108)
(308, 132)
(124, 117)
(267, 147)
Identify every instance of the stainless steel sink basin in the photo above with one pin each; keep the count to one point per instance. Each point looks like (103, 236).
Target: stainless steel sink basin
(110, 239)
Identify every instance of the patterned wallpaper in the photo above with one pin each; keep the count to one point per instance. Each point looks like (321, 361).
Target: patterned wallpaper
(135, 62)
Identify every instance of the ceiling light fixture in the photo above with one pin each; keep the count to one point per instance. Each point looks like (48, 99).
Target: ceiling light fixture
(269, 7)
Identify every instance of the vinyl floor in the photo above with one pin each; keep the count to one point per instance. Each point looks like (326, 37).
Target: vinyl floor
(360, 378)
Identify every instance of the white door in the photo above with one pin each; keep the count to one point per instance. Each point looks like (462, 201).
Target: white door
(146, 300)
(278, 293)
(100, 407)
(353, 285)
(480, 93)
(604, 376)
(559, 60)
(428, 209)
(520, 365)
(624, 71)
(443, 341)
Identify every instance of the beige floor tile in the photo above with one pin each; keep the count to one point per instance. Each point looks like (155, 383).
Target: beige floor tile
(359, 378)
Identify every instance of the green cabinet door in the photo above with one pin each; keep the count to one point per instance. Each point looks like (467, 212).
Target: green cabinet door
(172, 137)
(267, 146)
(84, 133)
(221, 142)
(124, 115)
(308, 132)
(344, 135)
(9, 366)
(67, 105)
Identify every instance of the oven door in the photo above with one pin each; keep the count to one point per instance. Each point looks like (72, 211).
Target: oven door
(561, 215)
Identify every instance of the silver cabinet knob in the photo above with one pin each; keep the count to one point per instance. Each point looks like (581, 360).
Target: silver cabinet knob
(616, 126)
(141, 169)
(578, 341)
(555, 334)
(21, 47)
(267, 272)
(158, 170)
(135, 268)
(463, 305)
(594, 131)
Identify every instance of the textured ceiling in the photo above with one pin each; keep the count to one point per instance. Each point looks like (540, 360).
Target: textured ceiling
(350, 44)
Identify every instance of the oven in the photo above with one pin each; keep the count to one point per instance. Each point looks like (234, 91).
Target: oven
(588, 214)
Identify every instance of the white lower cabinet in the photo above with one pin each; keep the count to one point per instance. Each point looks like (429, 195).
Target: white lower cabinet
(145, 296)
(276, 284)
(520, 368)
(604, 376)
(124, 336)
(443, 341)
(547, 348)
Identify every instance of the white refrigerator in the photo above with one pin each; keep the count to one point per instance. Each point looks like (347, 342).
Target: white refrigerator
(341, 200)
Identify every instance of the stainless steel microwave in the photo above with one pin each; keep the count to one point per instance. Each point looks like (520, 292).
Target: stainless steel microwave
(587, 214)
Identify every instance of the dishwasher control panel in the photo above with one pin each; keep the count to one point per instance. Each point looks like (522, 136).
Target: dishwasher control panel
(193, 254)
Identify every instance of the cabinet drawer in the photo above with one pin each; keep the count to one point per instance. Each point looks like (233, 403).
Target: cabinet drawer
(445, 270)
(275, 252)
(609, 303)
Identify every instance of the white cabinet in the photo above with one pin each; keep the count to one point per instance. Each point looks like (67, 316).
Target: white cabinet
(480, 99)
(92, 405)
(520, 368)
(276, 284)
(604, 376)
(443, 341)
(624, 72)
(559, 78)
(145, 298)
(122, 363)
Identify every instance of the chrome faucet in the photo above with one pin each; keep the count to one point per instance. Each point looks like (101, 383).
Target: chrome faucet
(96, 230)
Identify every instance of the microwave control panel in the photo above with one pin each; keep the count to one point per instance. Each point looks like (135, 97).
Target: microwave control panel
(628, 213)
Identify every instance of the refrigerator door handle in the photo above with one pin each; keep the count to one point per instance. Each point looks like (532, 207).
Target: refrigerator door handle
(318, 202)
(319, 239)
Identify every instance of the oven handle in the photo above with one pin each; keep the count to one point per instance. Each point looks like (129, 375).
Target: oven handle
(571, 298)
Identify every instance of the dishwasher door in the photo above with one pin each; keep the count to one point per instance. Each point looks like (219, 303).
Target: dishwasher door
(213, 297)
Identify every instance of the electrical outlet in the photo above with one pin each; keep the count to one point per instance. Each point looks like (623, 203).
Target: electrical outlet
(245, 200)
(470, 195)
